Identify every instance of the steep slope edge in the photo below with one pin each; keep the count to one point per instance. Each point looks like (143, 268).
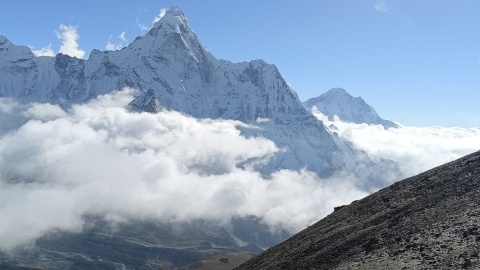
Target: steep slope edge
(429, 221)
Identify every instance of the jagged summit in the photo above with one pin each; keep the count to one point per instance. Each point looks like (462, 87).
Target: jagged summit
(173, 19)
(172, 33)
(175, 11)
(173, 15)
(337, 101)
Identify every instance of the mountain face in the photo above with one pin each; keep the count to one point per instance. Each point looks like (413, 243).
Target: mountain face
(171, 65)
(429, 221)
(350, 109)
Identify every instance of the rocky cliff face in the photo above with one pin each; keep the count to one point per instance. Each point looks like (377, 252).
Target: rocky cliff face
(430, 221)
(350, 109)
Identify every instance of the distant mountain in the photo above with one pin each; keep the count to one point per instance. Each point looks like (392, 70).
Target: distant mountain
(430, 221)
(350, 109)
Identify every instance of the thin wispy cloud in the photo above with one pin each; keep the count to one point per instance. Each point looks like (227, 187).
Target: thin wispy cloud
(144, 28)
(122, 37)
(69, 37)
(116, 46)
(381, 7)
(45, 51)
(160, 15)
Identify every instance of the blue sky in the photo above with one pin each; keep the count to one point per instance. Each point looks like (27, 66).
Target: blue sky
(416, 62)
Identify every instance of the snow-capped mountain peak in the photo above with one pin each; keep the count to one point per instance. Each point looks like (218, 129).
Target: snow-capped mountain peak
(172, 16)
(171, 67)
(174, 29)
(337, 101)
(172, 21)
(338, 92)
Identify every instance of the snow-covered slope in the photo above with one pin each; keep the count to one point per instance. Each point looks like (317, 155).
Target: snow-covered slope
(350, 109)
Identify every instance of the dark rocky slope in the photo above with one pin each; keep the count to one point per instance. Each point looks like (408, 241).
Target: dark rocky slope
(429, 221)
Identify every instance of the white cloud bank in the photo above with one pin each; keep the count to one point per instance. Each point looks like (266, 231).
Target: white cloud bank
(415, 149)
(57, 166)
(69, 36)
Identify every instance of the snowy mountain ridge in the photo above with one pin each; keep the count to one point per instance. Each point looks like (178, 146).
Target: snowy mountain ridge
(170, 59)
(173, 70)
(171, 62)
(338, 102)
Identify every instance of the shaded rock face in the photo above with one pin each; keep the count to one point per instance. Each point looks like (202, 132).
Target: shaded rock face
(350, 109)
(430, 221)
(145, 102)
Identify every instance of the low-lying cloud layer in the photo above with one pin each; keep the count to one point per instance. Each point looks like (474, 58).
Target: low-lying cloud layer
(57, 166)
(415, 149)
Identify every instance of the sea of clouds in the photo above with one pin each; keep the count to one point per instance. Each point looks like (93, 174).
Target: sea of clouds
(58, 166)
